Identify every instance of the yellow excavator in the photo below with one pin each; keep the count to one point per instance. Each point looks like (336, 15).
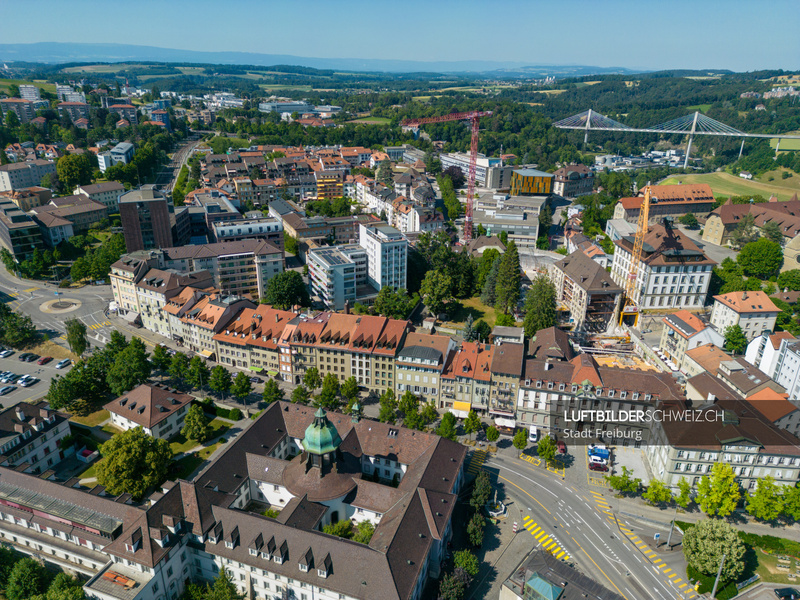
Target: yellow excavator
(629, 315)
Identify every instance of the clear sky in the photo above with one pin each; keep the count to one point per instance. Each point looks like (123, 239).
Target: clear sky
(740, 35)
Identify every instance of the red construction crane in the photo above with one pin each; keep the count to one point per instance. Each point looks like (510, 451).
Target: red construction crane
(473, 117)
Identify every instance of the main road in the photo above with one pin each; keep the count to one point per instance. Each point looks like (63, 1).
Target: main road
(572, 515)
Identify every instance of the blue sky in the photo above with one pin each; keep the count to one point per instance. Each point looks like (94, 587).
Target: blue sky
(740, 35)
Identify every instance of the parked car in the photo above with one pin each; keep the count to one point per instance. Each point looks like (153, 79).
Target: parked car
(30, 357)
(6, 353)
(256, 380)
(24, 356)
(601, 452)
(44, 360)
(28, 382)
(533, 434)
(597, 447)
(6, 389)
(10, 378)
(597, 460)
(787, 594)
(597, 467)
(63, 363)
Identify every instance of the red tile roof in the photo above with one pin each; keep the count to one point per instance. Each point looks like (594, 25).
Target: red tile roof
(748, 302)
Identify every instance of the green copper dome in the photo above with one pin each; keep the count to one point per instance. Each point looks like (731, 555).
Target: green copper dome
(321, 436)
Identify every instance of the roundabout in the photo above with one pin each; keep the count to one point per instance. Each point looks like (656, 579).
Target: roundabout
(60, 306)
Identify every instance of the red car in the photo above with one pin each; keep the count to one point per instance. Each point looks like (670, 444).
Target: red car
(44, 360)
(598, 467)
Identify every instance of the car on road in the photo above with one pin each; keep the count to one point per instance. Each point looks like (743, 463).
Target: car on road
(6, 389)
(63, 363)
(256, 380)
(6, 353)
(44, 360)
(787, 594)
(597, 467)
(596, 460)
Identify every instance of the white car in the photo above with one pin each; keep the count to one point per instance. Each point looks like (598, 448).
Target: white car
(6, 389)
(63, 363)
(597, 447)
(6, 353)
(28, 381)
(597, 460)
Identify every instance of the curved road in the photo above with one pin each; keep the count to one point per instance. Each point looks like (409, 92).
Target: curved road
(580, 523)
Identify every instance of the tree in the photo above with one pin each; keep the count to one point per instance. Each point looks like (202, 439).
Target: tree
(456, 176)
(311, 379)
(481, 490)
(657, 493)
(520, 440)
(745, 231)
(735, 339)
(762, 258)
(363, 532)
(74, 170)
(789, 280)
(684, 496)
(540, 305)
(451, 588)
(475, 529)
(130, 368)
(492, 434)
(408, 402)
(772, 231)
(179, 366)
(472, 423)
(161, 359)
(508, 280)
(490, 283)
(718, 493)
(706, 542)
(220, 380)
(16, 330)
(241, 386)
(65, 587)
(27, 579)
(791, 503)
(546, 449)
(766, 503)
(329, 394)
(504, 320)
(624, 482)
(428, 413)
(133, 462)
(8, 558)
(447, 428)
(388, 407)
(223, 588)
(689, 220)
(300, 395)
(342, 529)
(436, 291)
(482, 330)
(198, 373)
(395, 304)
(285, 290)
(350, 389)
(274, 393)
(76, 336)
(384, 173)
(196, 424)
(467, 561)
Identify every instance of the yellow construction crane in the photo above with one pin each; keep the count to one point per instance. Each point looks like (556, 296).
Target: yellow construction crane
(630, 312)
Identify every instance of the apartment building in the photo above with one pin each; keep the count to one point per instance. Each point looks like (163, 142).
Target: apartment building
(80, 211)
(155, 289)
(28, 198)
(466, 379)
(145, 216)
(330, 183)
(19, 233)
(420, 365)
(125, 111)
(777, 409)
(106, 193)
(205, 319)
(54, 229)
(586, 291)
(21, 107)
(508, 362)
(704, 359)
(29, 92)
(387, 255)
(157, 409)
(24, 175)
(572, 181)
(74, 111)
(267, 229)
(489, 172)
(671, 272)
(754, 312)
(787, 367)
(337, 274)
(250, 339)
(684, 331)
(31, 435)
(668, 201)
(729, 431)
(763, 351)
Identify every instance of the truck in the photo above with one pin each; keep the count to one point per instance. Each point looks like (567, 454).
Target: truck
(599, 452)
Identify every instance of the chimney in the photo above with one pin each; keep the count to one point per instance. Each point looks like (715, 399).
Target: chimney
(744, 295)
(277, 318)
(711, 397)
(547, 366)
(347, 307)
(20, 414)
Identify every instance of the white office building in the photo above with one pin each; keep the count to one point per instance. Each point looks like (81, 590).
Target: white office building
(336, 273)
(387, 255)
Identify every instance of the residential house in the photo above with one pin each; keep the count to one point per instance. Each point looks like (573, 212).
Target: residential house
(466, 379)
(506, 369)
(420, 364)
(685, 331)
(754, 312)
(157, 409)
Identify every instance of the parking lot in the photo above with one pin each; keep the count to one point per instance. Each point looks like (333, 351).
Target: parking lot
(33, 393)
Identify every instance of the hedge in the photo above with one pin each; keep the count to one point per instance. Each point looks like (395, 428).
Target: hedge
(234, 414)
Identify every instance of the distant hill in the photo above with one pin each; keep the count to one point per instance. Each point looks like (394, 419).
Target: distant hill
(57, 52)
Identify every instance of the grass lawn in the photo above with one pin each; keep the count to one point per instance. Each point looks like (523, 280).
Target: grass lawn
(474, 307)
(48, 87)
(725, 184)
(787, 144)
(372, 120)
(110, 429)
(48, 348)
(92, 420)
(179, 444)
(208, 450)
(703, 108)
(181, 469)
(90, 472)
(769, 571)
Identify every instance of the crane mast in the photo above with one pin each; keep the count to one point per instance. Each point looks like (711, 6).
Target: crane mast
(629, 308)
(474, 119)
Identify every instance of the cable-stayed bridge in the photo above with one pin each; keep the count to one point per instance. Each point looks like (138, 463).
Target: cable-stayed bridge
(692, 124)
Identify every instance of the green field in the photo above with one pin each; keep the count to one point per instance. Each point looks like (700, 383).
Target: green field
(787, 144)
(725, 184)
(703, 108)
(372, 120)
(48, 87)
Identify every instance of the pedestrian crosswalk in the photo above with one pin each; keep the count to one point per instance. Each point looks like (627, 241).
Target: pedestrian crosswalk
(30, 290)
(476, 461)
(602, 505)
(673, 578)
(99, 325)
(547, 541)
